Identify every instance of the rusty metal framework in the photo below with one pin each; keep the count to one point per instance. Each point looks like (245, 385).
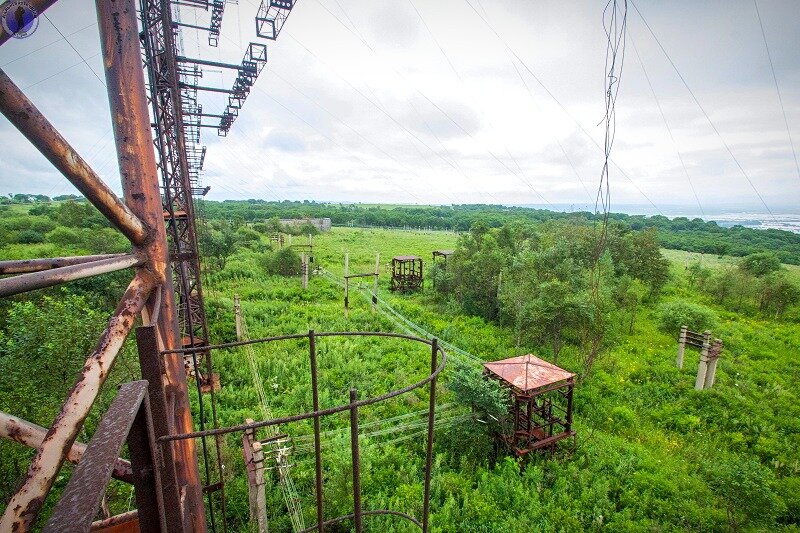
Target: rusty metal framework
(272, 14)
(406, 273)
(140, 218)
(152, 415)
(437, 364)
(541, 397)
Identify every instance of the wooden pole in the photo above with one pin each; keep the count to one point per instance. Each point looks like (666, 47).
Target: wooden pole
(304, 269)
(681, 346)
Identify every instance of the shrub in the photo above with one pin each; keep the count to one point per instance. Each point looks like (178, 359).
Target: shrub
(284, 262)
(30, 236)
(63, 236)
(673, 315)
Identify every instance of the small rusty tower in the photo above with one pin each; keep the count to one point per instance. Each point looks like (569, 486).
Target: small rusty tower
(541, 393)
(406, 273)
(441, 257)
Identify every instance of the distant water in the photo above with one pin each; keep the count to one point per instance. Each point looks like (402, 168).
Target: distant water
(784, 219)
(788, 222)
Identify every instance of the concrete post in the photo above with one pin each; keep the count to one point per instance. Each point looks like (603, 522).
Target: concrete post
(711, 373)
(254, 462)
(237, 311)
(681, 346)
(375, 281)
(702, 368)
(304, 269)
(346, 285)
(260, 496)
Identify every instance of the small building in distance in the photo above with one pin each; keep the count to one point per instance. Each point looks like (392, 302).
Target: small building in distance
(322, 224)
(541, 396)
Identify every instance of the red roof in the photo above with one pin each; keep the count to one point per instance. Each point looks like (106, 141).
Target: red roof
(527, 372)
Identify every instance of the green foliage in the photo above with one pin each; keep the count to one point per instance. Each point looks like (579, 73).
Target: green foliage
(679, 233)
(29, 236)
(745, 487)
(697, 317)
(284, 262)
(483, 395)
(777, 293)
(760, 264)
(43, 346)
(651, 454)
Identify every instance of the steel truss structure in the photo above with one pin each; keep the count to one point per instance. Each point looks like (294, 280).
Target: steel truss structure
(151, 415)
(166, 479)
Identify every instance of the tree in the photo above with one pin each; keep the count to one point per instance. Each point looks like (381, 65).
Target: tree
(284, 262)
(745, 486)
(628, 295)
(697, 274)
(760, 264)
(30, 236)
(216, 245)
(777, 293)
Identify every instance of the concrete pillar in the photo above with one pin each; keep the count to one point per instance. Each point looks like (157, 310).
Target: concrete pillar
(711, 373)
(375, 281)
(346, 285)
(702, 368)
(304, 269)
(681, 346)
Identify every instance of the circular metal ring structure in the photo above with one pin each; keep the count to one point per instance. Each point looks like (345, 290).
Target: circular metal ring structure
(437, 365)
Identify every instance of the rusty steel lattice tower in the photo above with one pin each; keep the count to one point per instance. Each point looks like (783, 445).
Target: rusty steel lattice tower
(158, 186)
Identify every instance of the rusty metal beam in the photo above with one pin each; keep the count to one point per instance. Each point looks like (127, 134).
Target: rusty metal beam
(43, 135)
(32, 435)
(122, 58)
(117, 520)
(24, 266)
(84, 492)
(24, 506)
(38, 5)
(48, 278)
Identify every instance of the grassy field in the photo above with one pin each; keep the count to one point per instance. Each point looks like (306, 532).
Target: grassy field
(651, 453)
(682, 258)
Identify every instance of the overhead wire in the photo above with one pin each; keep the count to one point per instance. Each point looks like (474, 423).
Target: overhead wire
(27, 54)
(615, 49)
(288, 488)
(777, 88)
(703, 111)
(434, 104)
(62, 71)
(449, 160)
(558, 102)
(522, 176)
(666, 124)
(103, 83)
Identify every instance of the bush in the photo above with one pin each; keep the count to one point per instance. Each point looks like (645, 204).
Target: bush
(63, 236)
(673, 315)
(284, 262)
(30, 236)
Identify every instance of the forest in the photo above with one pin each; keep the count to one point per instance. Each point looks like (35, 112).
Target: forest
(651, 452)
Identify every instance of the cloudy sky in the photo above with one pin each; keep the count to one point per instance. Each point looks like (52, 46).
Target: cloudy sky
(459, 101)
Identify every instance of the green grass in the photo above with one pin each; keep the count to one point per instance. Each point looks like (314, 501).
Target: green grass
(682, 258)
(651, 450)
